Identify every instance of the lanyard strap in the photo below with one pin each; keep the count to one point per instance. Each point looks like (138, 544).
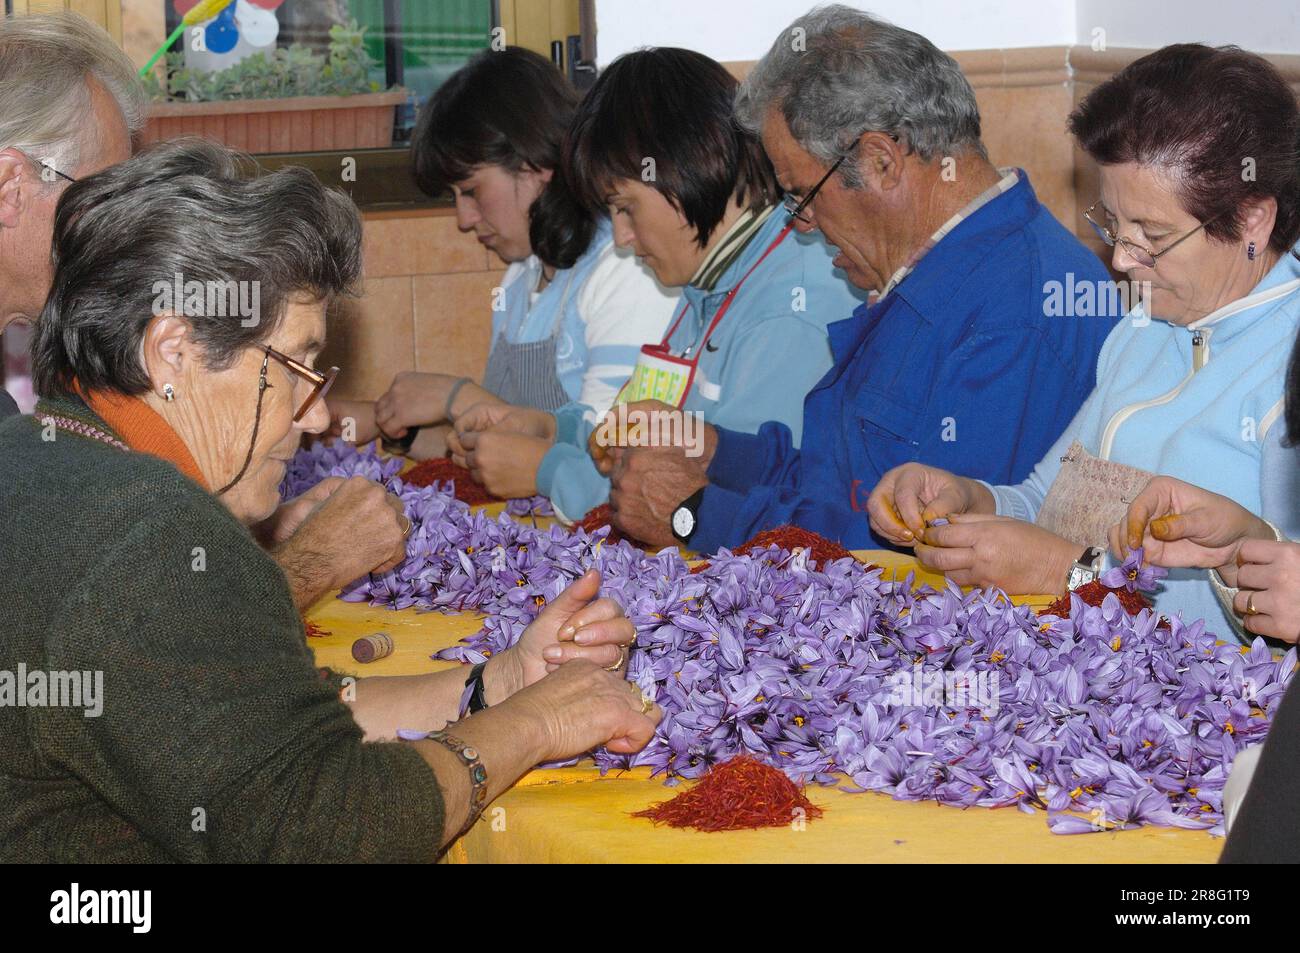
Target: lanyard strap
(726, 303)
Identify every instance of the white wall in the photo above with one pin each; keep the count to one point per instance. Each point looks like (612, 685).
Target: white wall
(1264, 26)
(744, 29)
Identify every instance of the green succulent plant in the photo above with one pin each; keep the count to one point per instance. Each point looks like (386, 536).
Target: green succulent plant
(344, 70)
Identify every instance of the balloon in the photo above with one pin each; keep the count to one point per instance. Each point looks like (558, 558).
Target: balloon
(221, 34)
(258, 26)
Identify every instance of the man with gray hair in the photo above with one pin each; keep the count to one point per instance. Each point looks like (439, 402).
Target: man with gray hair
(69, 105)
(954, 361)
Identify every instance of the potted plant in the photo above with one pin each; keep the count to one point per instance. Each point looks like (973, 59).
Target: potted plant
(291, 100)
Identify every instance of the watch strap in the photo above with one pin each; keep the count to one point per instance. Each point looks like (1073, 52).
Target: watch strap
(692, 505)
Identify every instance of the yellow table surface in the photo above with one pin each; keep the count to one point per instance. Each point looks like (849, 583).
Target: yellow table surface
(575, 815)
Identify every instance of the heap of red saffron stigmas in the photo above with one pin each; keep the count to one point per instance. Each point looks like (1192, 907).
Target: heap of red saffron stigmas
(442, 469)
(742, 794)
(602, 516)
(790, 538)
(1094, 594)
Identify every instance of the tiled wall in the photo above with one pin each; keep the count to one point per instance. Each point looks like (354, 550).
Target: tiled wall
(427, 297)
(426, 303)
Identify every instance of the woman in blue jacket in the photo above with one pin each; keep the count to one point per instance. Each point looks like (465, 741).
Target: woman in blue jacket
(572, 311)
(696, 199)
(1195, 393)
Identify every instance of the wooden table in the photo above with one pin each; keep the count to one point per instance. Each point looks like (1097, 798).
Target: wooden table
(575, 815)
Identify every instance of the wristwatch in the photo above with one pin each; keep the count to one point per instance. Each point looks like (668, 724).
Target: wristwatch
(686, 516)
(1085, 569)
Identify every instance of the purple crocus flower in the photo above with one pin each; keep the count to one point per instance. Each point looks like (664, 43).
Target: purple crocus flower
(1102, 720)
(1132, 575)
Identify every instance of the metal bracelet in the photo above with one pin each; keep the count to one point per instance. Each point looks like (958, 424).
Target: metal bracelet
(451, 397)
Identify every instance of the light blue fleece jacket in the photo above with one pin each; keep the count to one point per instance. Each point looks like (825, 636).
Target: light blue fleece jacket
(1219, 428)
(767, 353)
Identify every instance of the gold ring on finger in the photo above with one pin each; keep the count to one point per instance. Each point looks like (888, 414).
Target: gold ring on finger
(622, 660)
(1250, 605)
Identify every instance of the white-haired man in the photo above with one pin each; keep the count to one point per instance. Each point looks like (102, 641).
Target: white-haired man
(70, 105)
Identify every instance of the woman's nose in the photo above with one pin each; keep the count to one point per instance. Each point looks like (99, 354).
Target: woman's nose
(317, 418)
(623, 233)
(467, 215)
(1121, 260)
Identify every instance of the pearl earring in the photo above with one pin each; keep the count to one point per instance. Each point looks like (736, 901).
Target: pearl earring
(169, 393)
(1250, 251)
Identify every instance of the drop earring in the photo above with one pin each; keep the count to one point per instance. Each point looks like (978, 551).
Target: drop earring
(169, 393)
(1250, 251)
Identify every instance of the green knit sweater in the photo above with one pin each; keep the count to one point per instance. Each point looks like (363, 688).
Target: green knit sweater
(219, 740)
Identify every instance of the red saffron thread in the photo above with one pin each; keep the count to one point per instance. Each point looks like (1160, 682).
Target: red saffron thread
(442, 469)
(314, 631)
(742, 794)
(1094, 594)
(602, 516)
(791, 538)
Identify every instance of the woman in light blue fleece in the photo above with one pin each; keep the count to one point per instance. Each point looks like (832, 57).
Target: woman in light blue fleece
(708, 221)
(1191, 385)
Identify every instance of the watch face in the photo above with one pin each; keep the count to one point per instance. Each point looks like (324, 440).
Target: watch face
(683, 522)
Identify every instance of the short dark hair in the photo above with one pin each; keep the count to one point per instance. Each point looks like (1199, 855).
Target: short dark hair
(1201, 112)
(509, 108)
(189, 208)
(675, 107)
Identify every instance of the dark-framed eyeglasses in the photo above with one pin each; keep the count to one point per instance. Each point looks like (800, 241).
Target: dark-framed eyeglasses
(45, 165)
(320, 383)
(1141, 254)
(795, 208)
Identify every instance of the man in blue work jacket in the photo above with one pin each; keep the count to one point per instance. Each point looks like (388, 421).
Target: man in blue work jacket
(981, 339)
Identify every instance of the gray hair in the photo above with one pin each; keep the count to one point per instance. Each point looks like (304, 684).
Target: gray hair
(193, 209)
(46, 62)
(837, 72)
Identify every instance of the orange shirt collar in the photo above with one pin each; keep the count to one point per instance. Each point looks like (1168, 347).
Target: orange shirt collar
(143, 430)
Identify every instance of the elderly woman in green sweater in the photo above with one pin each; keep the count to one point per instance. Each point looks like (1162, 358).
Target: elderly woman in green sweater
(163, 435)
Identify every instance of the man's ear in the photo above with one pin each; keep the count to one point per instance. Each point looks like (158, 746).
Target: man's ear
(14, 181)
(168, 350)
(880, 160)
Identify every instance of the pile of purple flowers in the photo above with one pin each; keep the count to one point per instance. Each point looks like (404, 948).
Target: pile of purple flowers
(1104, 720)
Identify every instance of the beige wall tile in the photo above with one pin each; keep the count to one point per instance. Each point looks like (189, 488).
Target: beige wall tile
(419, 245)
(371, 338)
(453, 322)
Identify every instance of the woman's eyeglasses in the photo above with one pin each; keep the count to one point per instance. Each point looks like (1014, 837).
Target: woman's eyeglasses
(320, 383)
(1139, 253)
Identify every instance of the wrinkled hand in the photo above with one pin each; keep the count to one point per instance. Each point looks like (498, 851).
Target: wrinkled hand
(355, 528)
(908, 497)
(1269, 577)
(284, 522)
(1181, 525)
(503, 462)
(651, 424)
(977, 549)
(412, 400)
(647, 485)
(579, 707)
(574, 625)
